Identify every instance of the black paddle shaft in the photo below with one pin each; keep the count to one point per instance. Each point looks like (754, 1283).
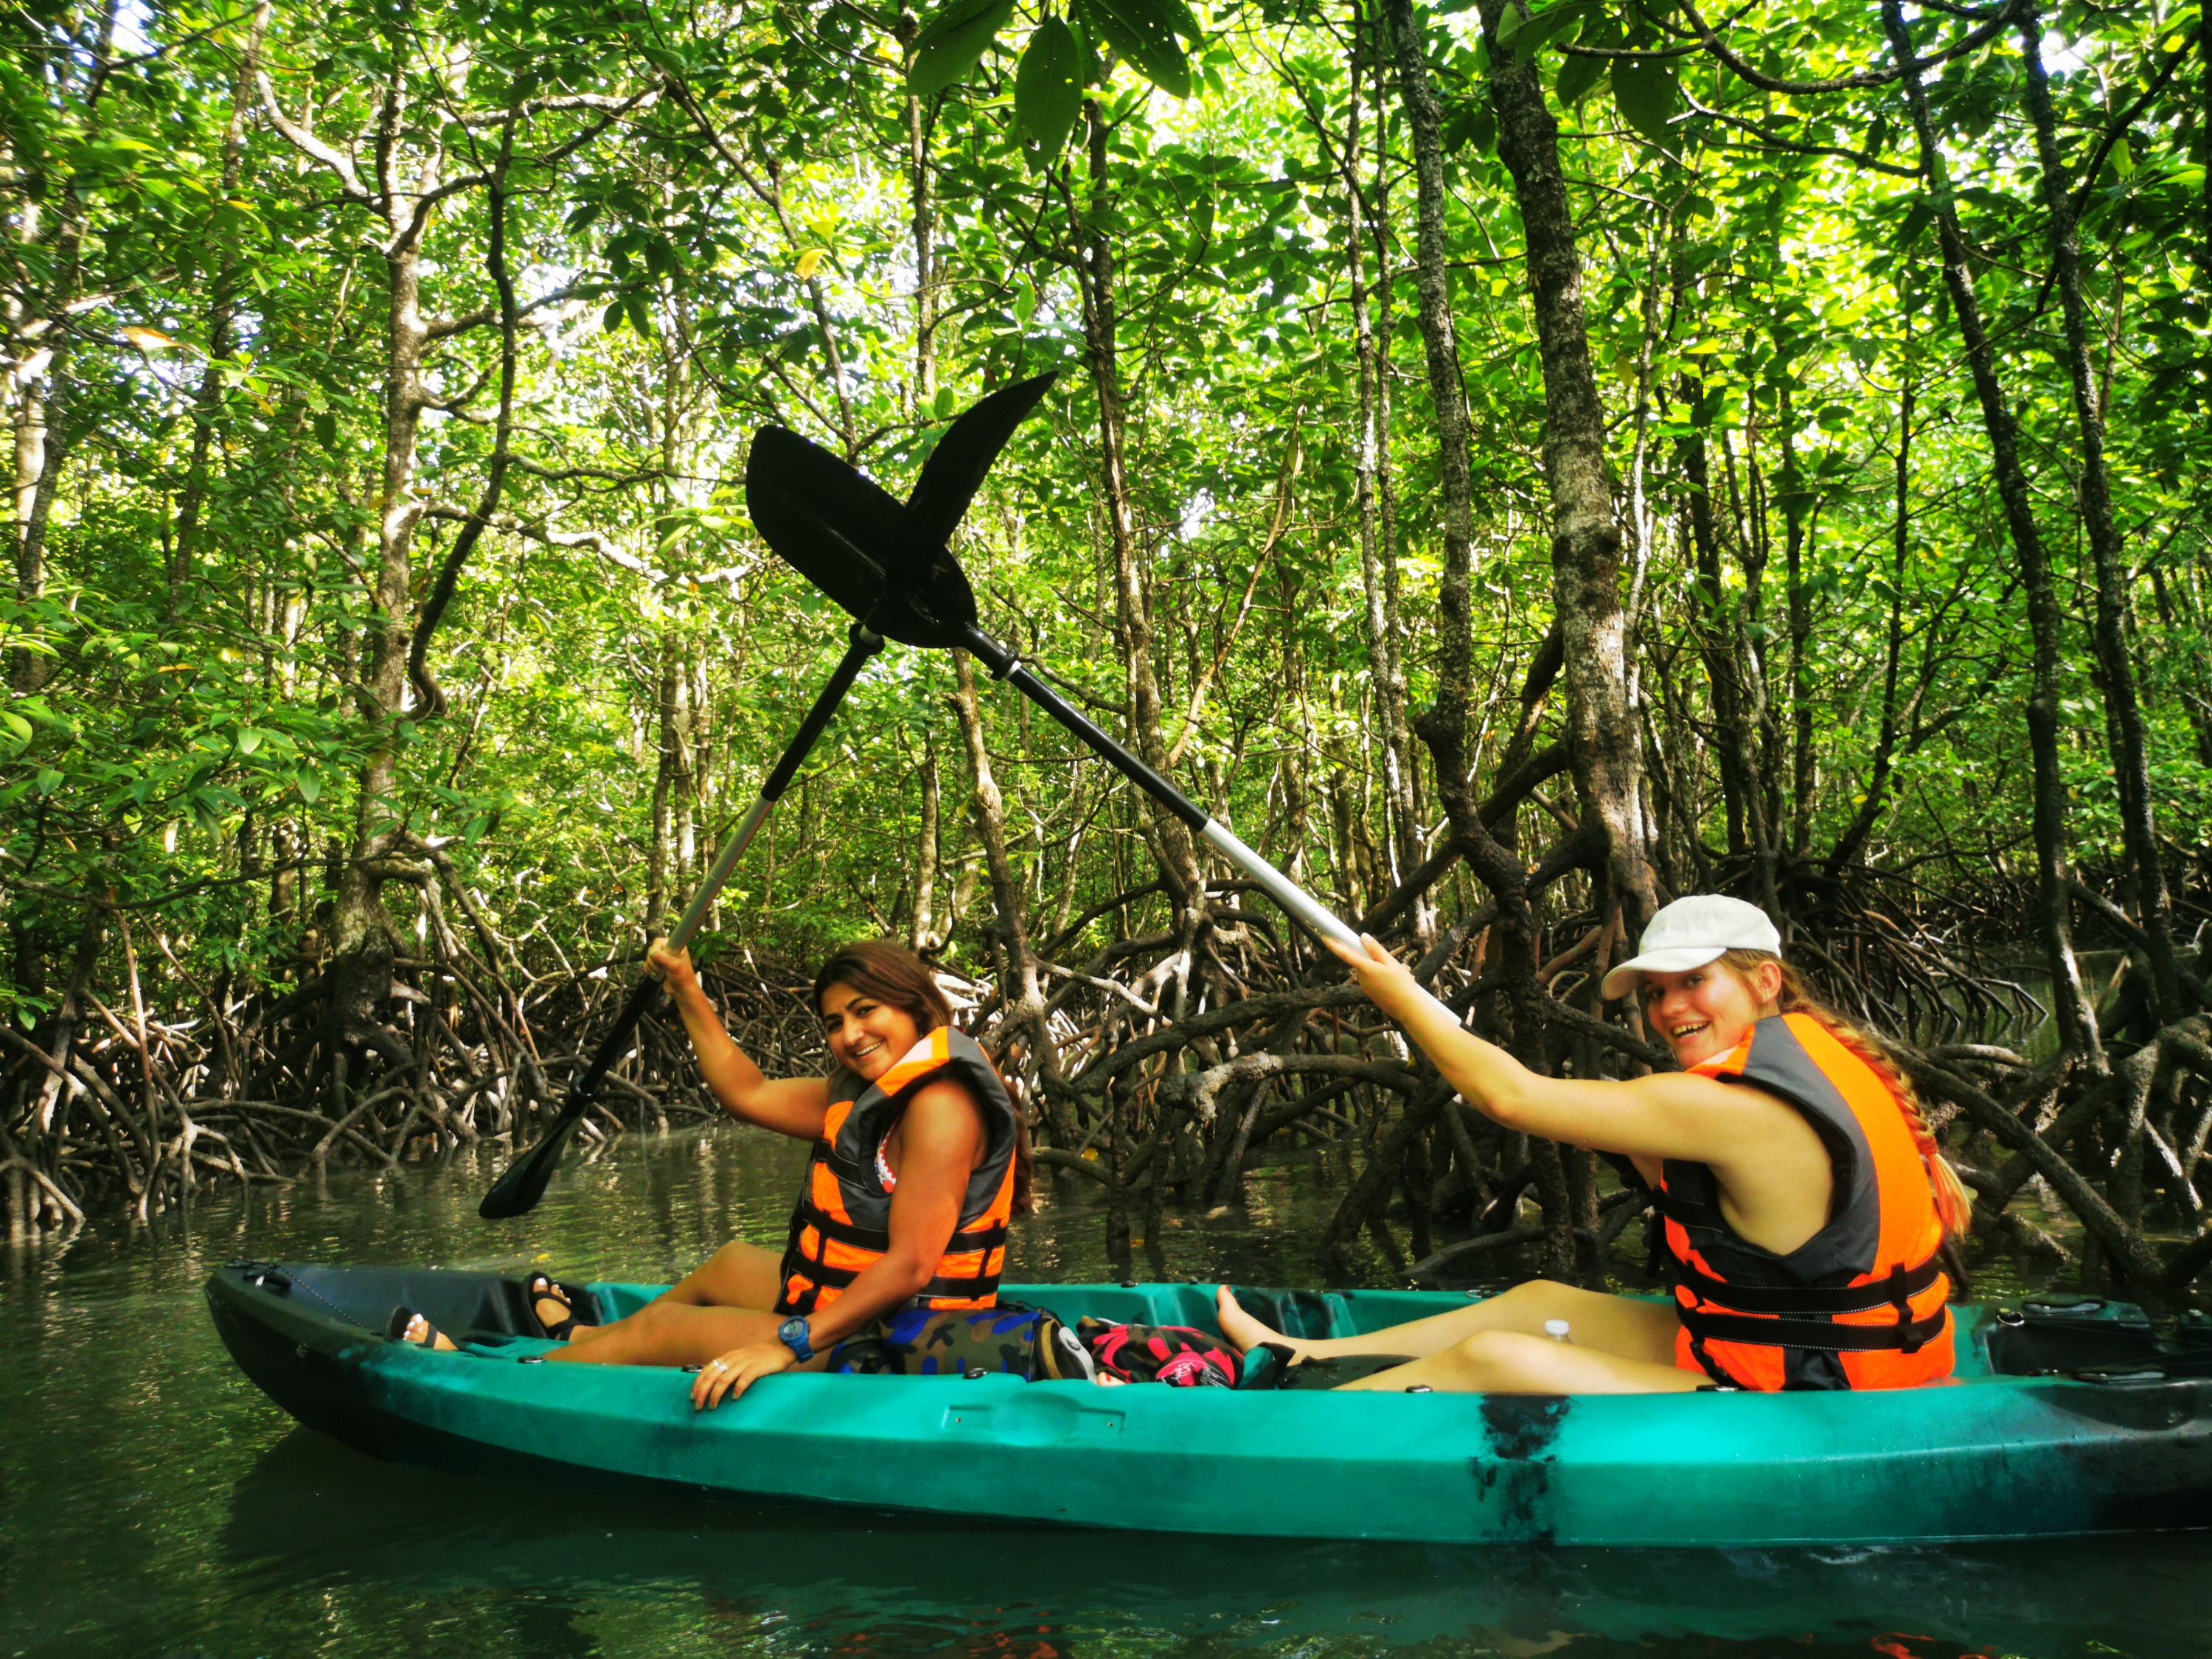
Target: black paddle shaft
(524, 1183)
(887, 560)
(1005, 665)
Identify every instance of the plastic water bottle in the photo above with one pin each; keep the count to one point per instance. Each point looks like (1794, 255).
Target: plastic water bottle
(1556, 1330)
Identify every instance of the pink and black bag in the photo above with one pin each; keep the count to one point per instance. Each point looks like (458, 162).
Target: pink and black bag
(1181, 1356)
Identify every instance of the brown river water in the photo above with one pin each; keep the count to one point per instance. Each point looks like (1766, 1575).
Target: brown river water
(152, 1502)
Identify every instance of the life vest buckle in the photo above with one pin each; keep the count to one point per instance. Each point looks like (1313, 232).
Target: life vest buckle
(1900, 1298)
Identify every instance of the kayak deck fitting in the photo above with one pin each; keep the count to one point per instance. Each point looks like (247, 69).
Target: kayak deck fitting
(2063, 1420)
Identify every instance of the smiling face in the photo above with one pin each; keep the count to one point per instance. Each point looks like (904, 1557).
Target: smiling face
(1705, 1011)
(866, 1035)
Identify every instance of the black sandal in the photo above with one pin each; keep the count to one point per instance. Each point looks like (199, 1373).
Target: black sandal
(395, 1330)
(543, 1287)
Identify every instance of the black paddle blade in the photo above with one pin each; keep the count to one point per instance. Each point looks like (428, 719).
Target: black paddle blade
(522, 1183)
(844, 534)
(956, 467)
(886, 561)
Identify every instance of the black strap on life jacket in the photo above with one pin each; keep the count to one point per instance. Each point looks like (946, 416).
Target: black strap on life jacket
(1809, 1298)
(1738, 1316)
(1811, 1334)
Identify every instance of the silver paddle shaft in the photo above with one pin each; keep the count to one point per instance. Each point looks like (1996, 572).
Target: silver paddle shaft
(1280, 888)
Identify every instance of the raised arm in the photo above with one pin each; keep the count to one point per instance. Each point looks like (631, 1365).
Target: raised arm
(1667, 1114)
(793, 1106)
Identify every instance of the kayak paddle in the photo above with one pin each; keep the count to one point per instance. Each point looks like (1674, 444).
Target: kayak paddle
(843, 533)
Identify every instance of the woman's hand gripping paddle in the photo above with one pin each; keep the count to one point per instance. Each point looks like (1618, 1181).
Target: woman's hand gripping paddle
(841, 532)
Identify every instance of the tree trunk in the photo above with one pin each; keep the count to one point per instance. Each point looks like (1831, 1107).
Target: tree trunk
(1443, 725)
(920, 936)
(223, 311)
(1875, 798)
(923, 225)
(1377, 558)
(1020, 994)
(2077, 1020)
(1800, 636)
(43, 437)
(2131, 756)
(667, 776)
(1716, 635)
(1586, 544)
(1097, 227)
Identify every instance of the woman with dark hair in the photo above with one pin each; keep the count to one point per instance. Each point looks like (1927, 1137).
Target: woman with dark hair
(1803, 1205)
(919, 1164)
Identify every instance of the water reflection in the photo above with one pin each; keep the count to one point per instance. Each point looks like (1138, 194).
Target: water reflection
(312, 1517)
(151, 1501)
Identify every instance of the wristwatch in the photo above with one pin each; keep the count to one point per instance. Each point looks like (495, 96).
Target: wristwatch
(794, 1334)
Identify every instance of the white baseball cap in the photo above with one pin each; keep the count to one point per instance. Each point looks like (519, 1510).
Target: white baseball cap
(1691, 933)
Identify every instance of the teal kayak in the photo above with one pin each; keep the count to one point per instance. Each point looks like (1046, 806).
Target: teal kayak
(2063, 1420)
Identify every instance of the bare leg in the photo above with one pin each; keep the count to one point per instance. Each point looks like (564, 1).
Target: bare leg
(739, 1275)
(1508, 1362)
(737, 1278)
(1614, 1325)
(670, 1333)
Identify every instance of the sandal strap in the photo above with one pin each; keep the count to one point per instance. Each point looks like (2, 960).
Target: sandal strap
(543, 1287)
(395, 1328)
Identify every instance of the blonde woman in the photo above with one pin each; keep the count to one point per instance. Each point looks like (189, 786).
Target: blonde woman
(1801, 1198)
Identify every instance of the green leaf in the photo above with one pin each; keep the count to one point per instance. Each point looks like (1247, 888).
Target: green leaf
(950, 42)
(1183, 22)
(1048, 86)
(1649, 97)
(1473, 122)
(1529, 35)
(1576, 77)
(310, 786)
(248, 741)
(1143, 32)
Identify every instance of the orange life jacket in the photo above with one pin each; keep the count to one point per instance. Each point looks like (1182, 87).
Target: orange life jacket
(1861, 1305)
(842, 1222)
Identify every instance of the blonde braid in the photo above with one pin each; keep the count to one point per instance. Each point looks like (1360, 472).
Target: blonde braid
(1954, 1206)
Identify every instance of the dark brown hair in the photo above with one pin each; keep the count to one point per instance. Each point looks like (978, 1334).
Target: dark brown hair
(1952, 1204)
(892, 974)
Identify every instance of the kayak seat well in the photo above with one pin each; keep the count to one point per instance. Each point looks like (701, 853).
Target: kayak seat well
(464, 1306)
(2048, 1338)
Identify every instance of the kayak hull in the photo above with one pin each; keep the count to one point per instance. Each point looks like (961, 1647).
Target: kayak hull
(2118, 1438)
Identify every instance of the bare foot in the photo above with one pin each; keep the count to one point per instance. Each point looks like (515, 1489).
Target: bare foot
(1245, 1332)
(420, 1333)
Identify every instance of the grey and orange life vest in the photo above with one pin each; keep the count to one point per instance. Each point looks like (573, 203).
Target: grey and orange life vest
(843, 1223)
(1861, 1305)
